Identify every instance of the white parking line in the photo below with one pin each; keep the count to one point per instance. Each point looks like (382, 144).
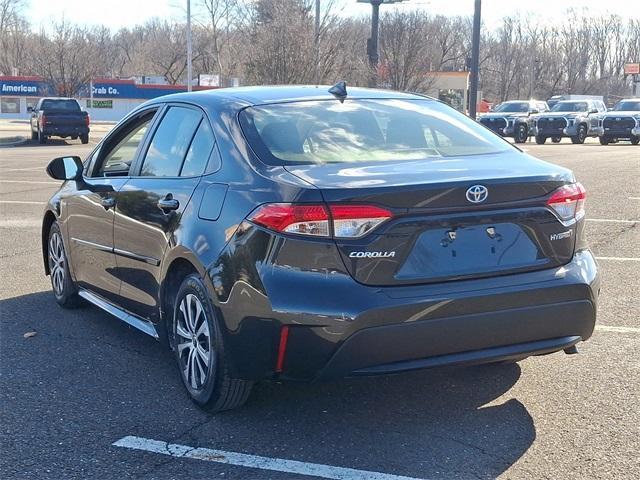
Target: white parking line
(634, 198)
(22, 169)
(31, 181)
(608, 328)
(25, 202)
(253, 461)
(611, 220)
(620, 259)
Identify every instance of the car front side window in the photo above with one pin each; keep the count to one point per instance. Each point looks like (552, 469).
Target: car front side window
(119, 151)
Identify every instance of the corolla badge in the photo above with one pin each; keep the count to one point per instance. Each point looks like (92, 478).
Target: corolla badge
(372, 254)
(477, 193)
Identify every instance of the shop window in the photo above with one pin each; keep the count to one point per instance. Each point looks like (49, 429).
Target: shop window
(9, 105)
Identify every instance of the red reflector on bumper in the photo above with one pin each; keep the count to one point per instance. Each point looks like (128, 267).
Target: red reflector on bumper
(282, 347)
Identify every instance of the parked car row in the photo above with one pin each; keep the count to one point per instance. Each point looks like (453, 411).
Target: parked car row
(574, 119)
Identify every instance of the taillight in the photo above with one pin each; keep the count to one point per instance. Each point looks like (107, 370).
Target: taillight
(43, 119)
(353, 221)
(289, 218)
(568, 201)
(346, 221)
(87, 119)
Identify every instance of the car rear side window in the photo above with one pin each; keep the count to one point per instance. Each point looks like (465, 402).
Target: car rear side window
(199, 151)
(171, 142)
(62, 105)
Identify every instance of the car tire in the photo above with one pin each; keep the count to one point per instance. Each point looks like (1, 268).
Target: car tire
(556, 139)
(521, 134)
(84, 138)
(199, 351)
(540, 140)
(42, 138)
(635, 140)
(581, 136)
(63, 287)
(604, 140)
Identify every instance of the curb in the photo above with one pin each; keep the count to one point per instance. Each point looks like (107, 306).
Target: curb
(15, 143)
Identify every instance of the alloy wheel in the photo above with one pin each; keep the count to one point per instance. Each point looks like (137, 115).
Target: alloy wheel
(193, 340)
(57, 263)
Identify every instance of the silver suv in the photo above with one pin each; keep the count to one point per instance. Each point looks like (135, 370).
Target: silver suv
(576, 119)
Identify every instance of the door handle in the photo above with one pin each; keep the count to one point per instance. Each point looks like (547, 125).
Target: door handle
(108, 202)
(168, 203)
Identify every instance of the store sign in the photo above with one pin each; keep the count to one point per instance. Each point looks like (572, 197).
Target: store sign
(632, 69)
(99, 103)
(106, 91)
(23, 88)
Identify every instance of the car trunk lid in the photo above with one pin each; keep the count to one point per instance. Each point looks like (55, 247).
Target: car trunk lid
(437, 233)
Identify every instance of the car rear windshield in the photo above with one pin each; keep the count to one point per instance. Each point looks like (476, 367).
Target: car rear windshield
(628, 106)
(570, 107)
(516, 107)
(66, 105)
(363, 131)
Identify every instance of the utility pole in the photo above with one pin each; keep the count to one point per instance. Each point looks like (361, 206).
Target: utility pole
(532, 81)
(189, 47)
(317, 44)
(475, 61)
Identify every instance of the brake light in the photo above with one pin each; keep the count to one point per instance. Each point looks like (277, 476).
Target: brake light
(568, 201)
(43, 119)
(346, 221)
(289, 218)
(87, 119)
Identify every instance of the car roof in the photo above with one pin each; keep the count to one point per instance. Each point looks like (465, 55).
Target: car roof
(260, 95)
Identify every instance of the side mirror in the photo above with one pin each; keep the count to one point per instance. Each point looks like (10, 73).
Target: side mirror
(534, 111)
(65, 168)
(593, 110)
(29, 109)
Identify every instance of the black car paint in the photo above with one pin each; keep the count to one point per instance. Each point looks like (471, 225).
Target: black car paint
(260, 281)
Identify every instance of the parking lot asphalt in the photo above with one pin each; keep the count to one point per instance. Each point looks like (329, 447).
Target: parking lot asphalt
(84, 380)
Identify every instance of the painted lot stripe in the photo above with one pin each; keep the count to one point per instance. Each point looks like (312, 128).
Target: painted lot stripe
(31, 181)
(23, 202)
(253, 461)
(608, 328)
(634, 198)
(620, 259)
(611, 220)
(22, 169)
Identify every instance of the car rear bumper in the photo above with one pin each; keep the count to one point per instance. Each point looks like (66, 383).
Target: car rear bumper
(65, 131)
(465, 339)
(338, 327)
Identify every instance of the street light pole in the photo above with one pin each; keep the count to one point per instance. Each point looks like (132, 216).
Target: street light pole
(189, 47)
(475, 60)
(317, 43)
(372, 44)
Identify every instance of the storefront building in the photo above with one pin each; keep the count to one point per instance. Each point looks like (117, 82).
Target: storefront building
(111, 100)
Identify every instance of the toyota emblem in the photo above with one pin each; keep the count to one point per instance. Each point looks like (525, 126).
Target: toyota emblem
(477, 193)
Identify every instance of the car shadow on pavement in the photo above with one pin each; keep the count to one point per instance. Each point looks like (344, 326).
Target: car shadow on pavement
(435, 424)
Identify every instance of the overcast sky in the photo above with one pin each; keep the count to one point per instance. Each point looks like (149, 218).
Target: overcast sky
(121, 13)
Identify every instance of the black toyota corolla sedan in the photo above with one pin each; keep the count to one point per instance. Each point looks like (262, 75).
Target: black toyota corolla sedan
(296, 234)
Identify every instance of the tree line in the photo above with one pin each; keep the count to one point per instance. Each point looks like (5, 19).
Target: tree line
(275, 42)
